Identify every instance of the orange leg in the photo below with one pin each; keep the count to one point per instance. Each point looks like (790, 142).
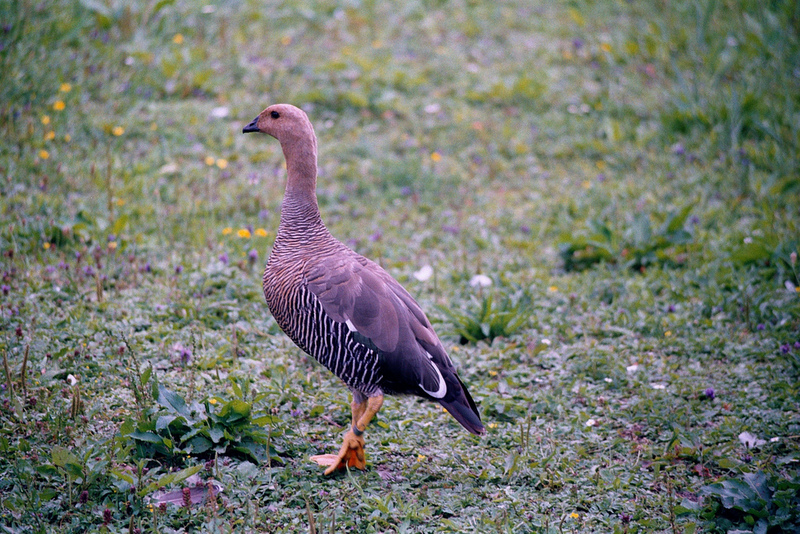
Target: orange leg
(351, 454)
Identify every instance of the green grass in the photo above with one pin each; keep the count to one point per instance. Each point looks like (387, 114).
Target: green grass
(626, 173)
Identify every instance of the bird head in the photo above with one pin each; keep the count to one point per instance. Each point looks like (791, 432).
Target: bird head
(284, 122)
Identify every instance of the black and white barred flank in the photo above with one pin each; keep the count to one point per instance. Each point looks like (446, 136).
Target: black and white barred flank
(332, 344)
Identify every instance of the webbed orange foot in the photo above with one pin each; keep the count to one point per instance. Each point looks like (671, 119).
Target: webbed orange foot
(351, 454)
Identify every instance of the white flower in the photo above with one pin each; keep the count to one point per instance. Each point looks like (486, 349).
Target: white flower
(546, 341)
(750, 441)
(432, 108)
(608, 379)
(423, 274)
(591, 422)
(480, 280)
(72, 380)
(220, 112)
(656, 385)
(632, 368)
(776, 439)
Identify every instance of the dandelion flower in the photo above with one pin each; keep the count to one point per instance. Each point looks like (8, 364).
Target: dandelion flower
(243, 232)
(178, 39)
(436, 157)
(222, 163)
(421, 458)
(45, 119)
(65, 87)
(209, 161)
(552, 289)
(260, 232)
(668, 333)
(212, 401)
(59, 105)
(117, 131)
(492, 425)
(49, 136)
(573, 515)
(227, 230)
(44, 154)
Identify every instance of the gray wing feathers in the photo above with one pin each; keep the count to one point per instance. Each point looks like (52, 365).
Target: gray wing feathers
(359, 292)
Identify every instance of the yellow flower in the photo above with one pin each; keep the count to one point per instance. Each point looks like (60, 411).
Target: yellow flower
(600, 164)
(212, 401)
(285, 40)
(49, 136)
(492, 372)
(45, 119)
(420, 458)
(668, 333)
(573, 515)
(227, 230)
(260, 232)
(117, 130)
(112, 245)
(222, 163)
(435, 156)
(59, 105)
(492, 425)
(552, 289)
(209, 160)
(178, 39)
(153, 126)
(44, 154)
(586, 184)
(65, 88)
(243, 232)
(120, 202)
(605, 47)
(67, 138)
(46, 245)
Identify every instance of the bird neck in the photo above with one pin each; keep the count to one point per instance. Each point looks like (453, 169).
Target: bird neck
(300, 200)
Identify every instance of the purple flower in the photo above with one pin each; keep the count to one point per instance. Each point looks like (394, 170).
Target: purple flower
(525, 229)
(107, 516)
(112, 237)
(88, 271)
(577, 43)
(450, 229)
(178, 269)
(405, 191)
(376, 236)
(297, 413)
(671, 308)
(63, 265)
(601, 177)
(263, 214)
(797, 345)
(678, 149)
(84, 497)
(252, 255)
(760, 326)
(785, 348)
(224, 258)
(5, 288)
(147, 267)
(709, 393)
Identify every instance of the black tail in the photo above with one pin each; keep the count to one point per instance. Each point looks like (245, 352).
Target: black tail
(458, 402)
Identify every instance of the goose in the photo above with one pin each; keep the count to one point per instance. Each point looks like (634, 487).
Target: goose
(345, 310)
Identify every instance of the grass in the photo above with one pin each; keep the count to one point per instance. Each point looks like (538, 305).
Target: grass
(625, 174)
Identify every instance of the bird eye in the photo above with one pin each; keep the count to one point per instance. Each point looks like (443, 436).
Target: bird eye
(274, 114)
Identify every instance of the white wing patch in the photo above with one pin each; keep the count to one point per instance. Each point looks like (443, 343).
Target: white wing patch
(442, 391)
